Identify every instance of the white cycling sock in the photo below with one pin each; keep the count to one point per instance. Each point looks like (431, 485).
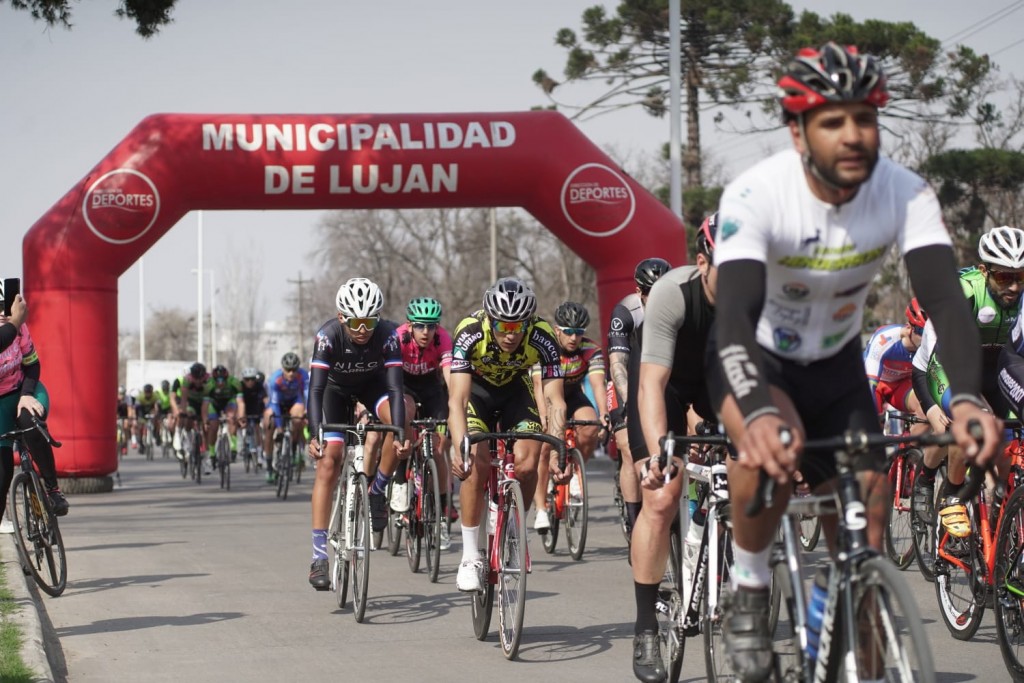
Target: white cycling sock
(470, 537)
(750, 569)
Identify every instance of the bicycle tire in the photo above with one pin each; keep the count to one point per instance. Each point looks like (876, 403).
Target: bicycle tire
(899, 533)
(336, 541)
(960, 590)
(394, 526)
(1009, 597)
(149, 444)
(786, 650)
(284, 466)
(360, 547)
(430, 518)
(550, 538)
(37, 535)
(224, 460)
(186, 454)
(298, 462)
(482, 602)
(926, 535)
(810, 532)
(197, 460)
(716, 662)
(894, 621)
(670, 606)
(620, 502)
(575, 513)
(512, 571)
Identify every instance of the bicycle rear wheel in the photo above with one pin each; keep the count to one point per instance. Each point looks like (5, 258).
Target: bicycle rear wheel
(483, 601)
(186, 452)
(899, 533)
(670, 608)
(550, 538)
(394, 527)
(284, 466)
(926, 531)
(512, 571)
(716, 661)
(224, 460)
(336, 540)
(359, 551)
(197, 459)
(37, 536)
(1009, 602)
(960, 583)
(575, 511)
(890, 643)
(430, 519)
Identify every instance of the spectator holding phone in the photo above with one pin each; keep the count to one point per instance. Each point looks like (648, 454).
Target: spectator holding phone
(23, 396)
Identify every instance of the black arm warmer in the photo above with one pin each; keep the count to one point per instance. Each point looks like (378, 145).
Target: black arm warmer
(396, 396)
(739, 301)
(932, 273)
(919, 378)
(32, 374)
(8, 333)
(315, 399)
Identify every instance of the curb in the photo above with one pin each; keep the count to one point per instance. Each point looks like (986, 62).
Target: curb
(33, 648)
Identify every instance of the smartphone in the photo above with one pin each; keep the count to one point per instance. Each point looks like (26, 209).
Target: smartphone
(12, 288)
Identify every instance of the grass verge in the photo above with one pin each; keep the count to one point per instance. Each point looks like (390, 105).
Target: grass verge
(12, 668)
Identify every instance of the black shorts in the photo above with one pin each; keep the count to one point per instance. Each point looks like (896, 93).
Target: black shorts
(831, 396)
(678, 399)
(339, 404)
(575, 398)
(431, 396)
(512, 406)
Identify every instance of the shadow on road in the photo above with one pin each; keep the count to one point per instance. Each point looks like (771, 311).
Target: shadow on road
(542, 645)
(109, 583)
(134, 623)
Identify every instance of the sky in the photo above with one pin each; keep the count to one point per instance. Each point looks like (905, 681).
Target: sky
(68, 97)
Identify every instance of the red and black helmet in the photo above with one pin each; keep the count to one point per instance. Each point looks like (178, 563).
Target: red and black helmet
(831, 74)
(915, 314)
(706, 233)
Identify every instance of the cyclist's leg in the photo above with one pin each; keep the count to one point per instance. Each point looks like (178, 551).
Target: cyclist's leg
(472, 490)
(231, 413)
(337, 408)
(586, 435)
(42, 452)
(8, 409)
(519, 414)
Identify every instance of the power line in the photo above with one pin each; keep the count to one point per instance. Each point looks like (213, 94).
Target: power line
(984, 23)
(1004, 49)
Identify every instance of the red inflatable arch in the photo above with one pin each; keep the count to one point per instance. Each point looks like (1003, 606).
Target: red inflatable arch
(171, 164)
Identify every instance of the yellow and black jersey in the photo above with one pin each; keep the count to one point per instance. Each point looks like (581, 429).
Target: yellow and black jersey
(476, 351)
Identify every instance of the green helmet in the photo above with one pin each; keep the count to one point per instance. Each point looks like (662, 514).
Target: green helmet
(424, 310)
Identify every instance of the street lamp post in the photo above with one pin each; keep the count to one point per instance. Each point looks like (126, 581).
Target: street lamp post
(213, 314)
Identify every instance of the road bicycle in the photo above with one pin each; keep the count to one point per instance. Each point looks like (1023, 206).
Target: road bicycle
(36, 532)
(421, 524)
(222, 453)
(286, 455)
(1009, 570)
(687, 610)
(149, 427)
(250, 444)
(506, 555)
(871, 628)
(191, 462)
(350, 531)
(903, 469)
(965, 568)
(166, 438)
(565, 506)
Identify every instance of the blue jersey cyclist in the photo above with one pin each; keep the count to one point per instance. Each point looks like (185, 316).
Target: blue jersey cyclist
(356, 359)
(287, 388)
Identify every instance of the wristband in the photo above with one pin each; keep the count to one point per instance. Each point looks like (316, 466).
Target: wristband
(969, 398)
(760, 412)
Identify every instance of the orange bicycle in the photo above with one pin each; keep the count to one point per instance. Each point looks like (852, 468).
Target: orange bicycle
(568, 501)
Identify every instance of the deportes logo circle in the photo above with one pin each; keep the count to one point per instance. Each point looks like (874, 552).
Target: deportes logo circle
(597, 201)
(121, 206)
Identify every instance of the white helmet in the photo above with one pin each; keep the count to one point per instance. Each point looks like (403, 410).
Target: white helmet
(511, 300)
(1002, 247)
(359, 298)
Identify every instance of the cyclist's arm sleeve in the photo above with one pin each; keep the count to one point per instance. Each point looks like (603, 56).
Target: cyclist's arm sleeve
(932, 271)
(740, 300)
(32, 373)
(396, 395)
(8, 333)
(919, 378)
(315, 401)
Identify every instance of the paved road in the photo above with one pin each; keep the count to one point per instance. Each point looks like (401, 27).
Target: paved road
(174, 582)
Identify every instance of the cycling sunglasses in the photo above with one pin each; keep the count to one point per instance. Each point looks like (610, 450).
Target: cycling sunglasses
(355, 324)
(917, 330)
(573, 331)
(1005, 278)
(505, 327)
(424, 327)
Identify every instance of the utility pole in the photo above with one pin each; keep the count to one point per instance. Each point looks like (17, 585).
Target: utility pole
(302, 317)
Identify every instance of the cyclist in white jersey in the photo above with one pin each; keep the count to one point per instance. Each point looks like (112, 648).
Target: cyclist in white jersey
(801, 236)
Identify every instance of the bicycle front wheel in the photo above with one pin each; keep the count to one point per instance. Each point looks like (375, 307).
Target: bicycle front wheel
(960, 583)
(224, 461)
(359, 548)
(37, 536)
(899, 533)
(890, 643)
(574, 513)
(430, 519)
(483, 601)
(1009, 598)
(670, 608)
(716, 660)
(512, 571)
(336, 541)
(284, 467)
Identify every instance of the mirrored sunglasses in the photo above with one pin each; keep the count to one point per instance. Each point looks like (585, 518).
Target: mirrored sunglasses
(573, 331)
(355, 324)
(1004, 278)
(505, 327)
(424, 327)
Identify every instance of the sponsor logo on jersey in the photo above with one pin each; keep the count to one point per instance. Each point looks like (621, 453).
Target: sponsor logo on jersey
(844, 313)
(466, 340)
(543, 341)
(786, 339)
(833, 339)
(986, 314)
(795, 291)
(121, 206)
(323, 343)
(788, 315)
(1015, 390)
(808, 241)
(739, 371)
(356, 366)
(617, 324)
(597, 201)
(833, 259)
(729, 228)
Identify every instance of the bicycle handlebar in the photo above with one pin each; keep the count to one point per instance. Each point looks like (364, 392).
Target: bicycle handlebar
(850, 443)
(360, 429)
(37, 425)
(428, 422)
(476, 437)
(669, 442)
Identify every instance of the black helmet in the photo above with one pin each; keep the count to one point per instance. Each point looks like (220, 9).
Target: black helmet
(648, 271)
(572, 314)
(147, 388)
(704, 243)
(290, 361)
(220, 372)
(165, 386)
(198, 371)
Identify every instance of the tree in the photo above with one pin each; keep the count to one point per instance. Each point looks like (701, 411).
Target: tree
(149, 15)
(732, 52)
